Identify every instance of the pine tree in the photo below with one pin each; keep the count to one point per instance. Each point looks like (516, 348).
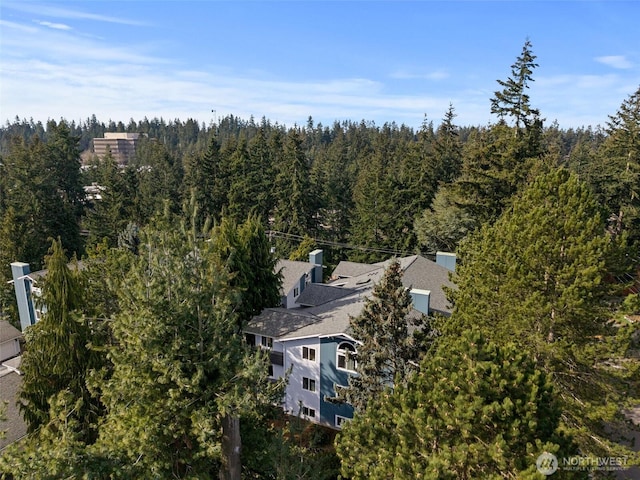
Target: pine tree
(57, 358)
(186, 371)
(387, 348)
(616, 171)
(62, 163)
(444, 224)
(475, 409)
(109, 214)
(207, 176)
(447, 149)
(159, 176)
(294, 212)
(537, 277)
(374, 201)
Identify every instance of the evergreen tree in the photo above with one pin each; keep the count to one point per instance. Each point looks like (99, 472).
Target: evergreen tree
(206, 175)
(58, 358)
(375, 202)
(115, 204)
(498, 160)
(185, 371)
(447, 149)
(444, 225)
(386, 348)
(294, 212)
(60, 160)
(10, 251)
(262, 174)
(537, 277)
(159, 176)
(474, 410)
(616, 171)
(513, 100)
(31, 189)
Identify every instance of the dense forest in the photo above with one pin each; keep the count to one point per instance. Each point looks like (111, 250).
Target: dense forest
(508, 197)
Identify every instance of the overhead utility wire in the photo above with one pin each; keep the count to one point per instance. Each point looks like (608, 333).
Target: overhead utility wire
(291, 236)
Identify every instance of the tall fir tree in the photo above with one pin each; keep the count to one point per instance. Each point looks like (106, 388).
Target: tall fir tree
(513, 100)
(186, 371)
(538, 278)
(58, 358)
(616, 170)
(387, 348)
(206, 175)
(294, 213)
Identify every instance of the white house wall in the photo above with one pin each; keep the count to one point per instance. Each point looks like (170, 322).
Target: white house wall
(9, 349)
(301, 368)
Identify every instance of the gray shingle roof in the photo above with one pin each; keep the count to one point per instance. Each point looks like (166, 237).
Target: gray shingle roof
(332, 316)
(316, 294)
(14, 425)
(8, 332)
(291, 272)
(346, 269)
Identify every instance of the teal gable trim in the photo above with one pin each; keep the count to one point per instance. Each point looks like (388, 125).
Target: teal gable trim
(330, 376)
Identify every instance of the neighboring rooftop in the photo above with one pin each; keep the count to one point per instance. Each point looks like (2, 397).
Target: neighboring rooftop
(14, 426)
(319, 293)
(8, 332)
(327, 308)
(351, 269)
(292, 270)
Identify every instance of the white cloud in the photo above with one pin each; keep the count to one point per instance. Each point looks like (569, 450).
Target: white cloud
(46, 75)
(56, 26)
(57, 12)
(406, 75)
(615, 61)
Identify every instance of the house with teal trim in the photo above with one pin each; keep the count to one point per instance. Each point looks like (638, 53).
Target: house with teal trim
(311, 339)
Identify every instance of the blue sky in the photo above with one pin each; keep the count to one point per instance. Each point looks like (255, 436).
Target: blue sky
(380, 61)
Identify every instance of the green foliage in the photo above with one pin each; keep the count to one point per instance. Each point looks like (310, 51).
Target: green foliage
(474, 410)
(57, 358)
(185, 369)
(245, 253)
(10, 251)
(306, 246)
(158, 178)
(513, 100)
(444, 225)
(387, 349)
(537, 277)
(108, 215)
(206, 178)
(287, 448)
(40, 188)
(293, 212)
(615, 172)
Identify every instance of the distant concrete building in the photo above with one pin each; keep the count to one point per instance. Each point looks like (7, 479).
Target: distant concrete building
(122, 146)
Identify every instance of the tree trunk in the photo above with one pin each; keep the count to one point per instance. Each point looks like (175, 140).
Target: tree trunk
(231, 446)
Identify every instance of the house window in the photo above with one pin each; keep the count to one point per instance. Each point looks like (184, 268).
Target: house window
(340, 421)
(250, 338)
(308, 412)
(346, 357)
(308, 384)
(296, 291)
(267, 342)
(271, 370)
(309, 354)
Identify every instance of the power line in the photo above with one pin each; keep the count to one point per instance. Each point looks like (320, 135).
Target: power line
(293, 237)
